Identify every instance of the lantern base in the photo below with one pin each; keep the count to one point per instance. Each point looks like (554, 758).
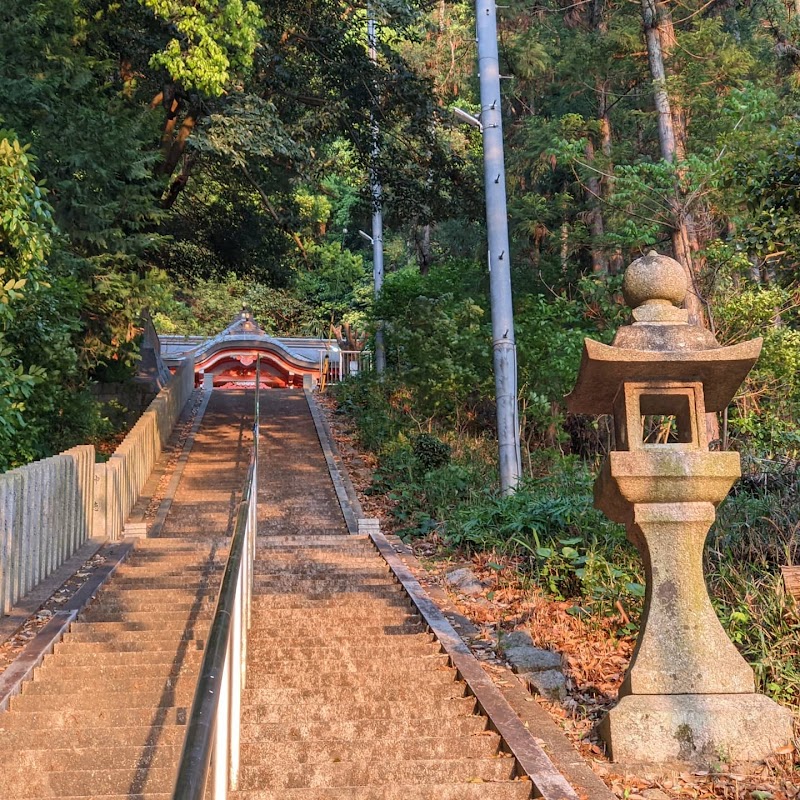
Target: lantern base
(697, 728)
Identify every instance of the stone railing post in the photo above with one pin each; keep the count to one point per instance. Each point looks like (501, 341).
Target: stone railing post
(688, 694)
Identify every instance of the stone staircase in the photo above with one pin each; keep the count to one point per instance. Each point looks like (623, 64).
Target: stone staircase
(105, 714)
(348, 695)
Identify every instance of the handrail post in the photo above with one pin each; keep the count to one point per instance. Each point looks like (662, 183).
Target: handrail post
(236, 684)
(221, 732)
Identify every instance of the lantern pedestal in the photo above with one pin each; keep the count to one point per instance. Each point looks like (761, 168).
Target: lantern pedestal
(709, 728)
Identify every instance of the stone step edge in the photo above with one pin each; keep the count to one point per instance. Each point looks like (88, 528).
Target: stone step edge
(531, 758)
(21, 669)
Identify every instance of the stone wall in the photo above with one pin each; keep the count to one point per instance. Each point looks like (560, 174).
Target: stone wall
(119, 482)
(48, 509)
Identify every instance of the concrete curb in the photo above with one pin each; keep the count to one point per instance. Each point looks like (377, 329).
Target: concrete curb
(180, 466)
(22, 667)
(345, 491)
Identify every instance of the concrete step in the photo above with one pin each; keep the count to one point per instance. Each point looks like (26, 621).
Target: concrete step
(366, 566)
(506, 790)
(367, 772)
(125, 660)
(138, 644)
(275, 602)
(387, 647)
(167, 603)
(353, 596)
(313, 636)
(136, 596)
(328, 751)
(101, 614)
(412, 674)
(165, 542)
(103, 674)
(167, 583)
(126, 684)
(195, 574)
(65, 719)
(364, 730)
(353, 613)
(310, 541)
(73, 759)
(347, 709)
(341, 666)
(126, 796)
(114, 702)
(299, 585)
(416, 696)
(163, 625)
(107, 781)
(339, 622)
(84, 738)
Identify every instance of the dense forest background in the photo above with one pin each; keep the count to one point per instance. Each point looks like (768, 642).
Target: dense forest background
(191, 158)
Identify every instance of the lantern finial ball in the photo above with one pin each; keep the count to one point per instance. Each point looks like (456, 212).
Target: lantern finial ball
(654, 279)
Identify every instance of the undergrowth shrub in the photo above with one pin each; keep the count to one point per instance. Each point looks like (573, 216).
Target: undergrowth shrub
(431, 452)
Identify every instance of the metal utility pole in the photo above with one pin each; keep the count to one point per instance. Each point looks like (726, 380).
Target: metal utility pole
(503, 344)
(377, 201)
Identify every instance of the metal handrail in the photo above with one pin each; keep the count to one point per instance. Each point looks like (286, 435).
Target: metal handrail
(213, 733)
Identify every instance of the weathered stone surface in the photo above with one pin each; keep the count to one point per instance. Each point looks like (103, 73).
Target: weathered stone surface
(682, 647)
(519, 650)
(549, 683)
(696, 728)
(654, 279)
(689, 694)
(465, 581)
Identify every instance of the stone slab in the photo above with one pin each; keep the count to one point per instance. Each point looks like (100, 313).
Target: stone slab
(696, 728)
(549, 683)
(464, 581)
(519, 650)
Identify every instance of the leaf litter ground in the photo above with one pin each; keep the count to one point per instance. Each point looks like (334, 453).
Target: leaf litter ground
(595, 654)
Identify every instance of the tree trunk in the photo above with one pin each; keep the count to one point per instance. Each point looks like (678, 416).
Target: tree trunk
(616, 261)
(422, 247)
(660, 37)
(653, 15)
(596, 224)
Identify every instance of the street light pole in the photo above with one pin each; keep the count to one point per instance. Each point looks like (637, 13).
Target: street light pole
(377, 201)
(503, 344)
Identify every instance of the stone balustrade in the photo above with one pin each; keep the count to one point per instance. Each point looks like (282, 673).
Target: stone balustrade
(50, 508)
(119, 482)
(45, 516)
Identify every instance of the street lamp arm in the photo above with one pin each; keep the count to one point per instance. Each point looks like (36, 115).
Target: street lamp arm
(468, 118)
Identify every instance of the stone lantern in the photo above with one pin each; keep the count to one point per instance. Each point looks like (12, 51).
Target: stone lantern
(688, 693)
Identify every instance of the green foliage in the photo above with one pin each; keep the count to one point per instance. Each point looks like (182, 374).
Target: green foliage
(26, 231)
(437, 339)
(215, 38)
(430, 451)
(329, 288)
(569, 546)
